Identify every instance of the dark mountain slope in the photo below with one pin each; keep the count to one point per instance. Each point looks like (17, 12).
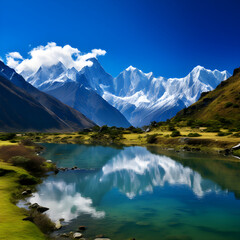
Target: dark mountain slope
(90, 104)
(20, 112)
(63, 84)
(70, 119)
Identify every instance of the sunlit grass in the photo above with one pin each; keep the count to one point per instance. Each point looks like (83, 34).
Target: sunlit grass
(11, 224)
(3, 143)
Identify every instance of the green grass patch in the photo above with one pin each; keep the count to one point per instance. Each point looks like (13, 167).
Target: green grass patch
(236, 152)
(11, 224)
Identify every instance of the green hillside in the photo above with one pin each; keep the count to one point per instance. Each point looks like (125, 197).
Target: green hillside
(221, 105)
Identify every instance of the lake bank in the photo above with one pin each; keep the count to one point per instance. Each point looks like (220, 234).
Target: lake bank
(21, 169)
(11, 224)
(186, 139)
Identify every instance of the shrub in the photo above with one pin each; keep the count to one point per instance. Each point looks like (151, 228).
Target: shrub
(213, 129)
(7, 152)
(79, 139)
(25, 179)
(152, 138)
(96, 128)
(171, 127)
(27, 142)
(42, 221)
(32, 163)
(137, 130)
(228, 104)
(23, 157)
(221, 134)
(153, 124)
(175, 133)
(236, 135)
(194, 135)
(104, 129)
(7, 136)
(236, 152)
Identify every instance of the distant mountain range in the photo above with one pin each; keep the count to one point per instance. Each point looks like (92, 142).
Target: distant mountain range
(25, 108)
(222, 104)
(78, 90)
(139, 96)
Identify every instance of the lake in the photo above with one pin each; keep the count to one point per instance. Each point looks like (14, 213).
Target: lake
(142, 193)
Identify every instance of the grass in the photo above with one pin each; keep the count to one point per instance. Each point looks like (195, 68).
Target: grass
(141, 138)
(4, 143)
(221, 104)
(211, 141)
(11, 224)
(236, 152)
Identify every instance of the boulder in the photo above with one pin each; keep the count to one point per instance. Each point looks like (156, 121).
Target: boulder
(77, 235)
(65, 235)
(49, 161)
(42, 209)
(58, 225)
(34, 205)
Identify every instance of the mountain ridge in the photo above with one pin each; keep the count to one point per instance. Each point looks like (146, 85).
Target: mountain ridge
(76, 91)
(142, 97)
(71, 120)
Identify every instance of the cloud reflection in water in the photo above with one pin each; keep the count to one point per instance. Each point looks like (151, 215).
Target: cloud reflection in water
(132, 171)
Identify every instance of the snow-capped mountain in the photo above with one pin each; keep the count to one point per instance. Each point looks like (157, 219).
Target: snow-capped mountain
(140, 97)
(98, 79)
(73, 88)
(143, 98)
(25, 108)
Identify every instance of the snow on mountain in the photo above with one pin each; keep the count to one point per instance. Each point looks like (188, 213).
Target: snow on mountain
(74, 89)
(98, 79)
(143, 98)
(140, 97)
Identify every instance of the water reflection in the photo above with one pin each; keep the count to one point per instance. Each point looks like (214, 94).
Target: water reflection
(132, 171)
(136, 170)
(64, 201)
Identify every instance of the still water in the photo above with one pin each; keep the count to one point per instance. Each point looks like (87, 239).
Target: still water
(142, 193)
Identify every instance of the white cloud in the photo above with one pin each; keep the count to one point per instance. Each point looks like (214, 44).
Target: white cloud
(11, 62)
(15, 55)
(49, 55)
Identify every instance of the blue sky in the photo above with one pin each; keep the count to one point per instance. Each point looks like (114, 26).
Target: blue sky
(167, 37)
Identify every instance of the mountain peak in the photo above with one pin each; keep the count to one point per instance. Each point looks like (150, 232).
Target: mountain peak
(130, 68)
(198, 68)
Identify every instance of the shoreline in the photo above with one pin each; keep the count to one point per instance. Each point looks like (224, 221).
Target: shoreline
(172, 147)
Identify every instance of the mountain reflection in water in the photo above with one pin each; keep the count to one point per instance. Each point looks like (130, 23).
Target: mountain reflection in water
(132, 171)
